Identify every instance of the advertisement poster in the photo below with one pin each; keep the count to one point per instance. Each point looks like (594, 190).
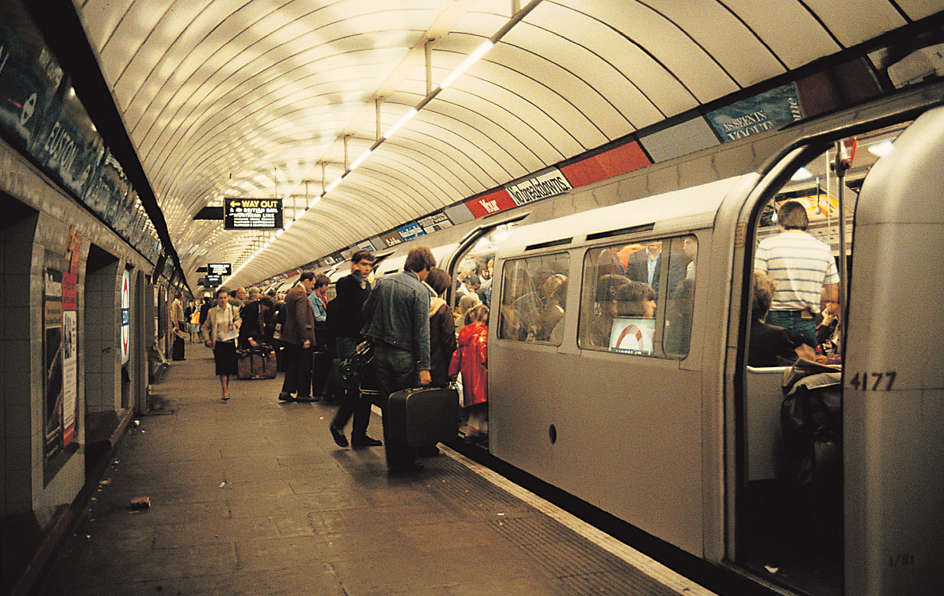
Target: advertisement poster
(70, 342)
(765, 111)
(125, 316)
(52, 361)
(70, 349)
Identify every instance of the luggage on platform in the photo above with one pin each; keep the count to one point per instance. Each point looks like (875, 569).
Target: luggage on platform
(256, 363)
(424, 416)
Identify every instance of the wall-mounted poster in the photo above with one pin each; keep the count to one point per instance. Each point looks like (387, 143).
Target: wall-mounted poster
(765, 111)
(125, 316)
(52, 361)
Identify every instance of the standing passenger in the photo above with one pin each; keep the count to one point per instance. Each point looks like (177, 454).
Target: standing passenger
(471, 359)
(442, 328)
(221, 330)
(803, 270)
(397, 320)
(347, 320)
(179, 323)
(299, 338)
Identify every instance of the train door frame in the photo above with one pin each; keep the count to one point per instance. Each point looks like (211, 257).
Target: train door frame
(487, 226)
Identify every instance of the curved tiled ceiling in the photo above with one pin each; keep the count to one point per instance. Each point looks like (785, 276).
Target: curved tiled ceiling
(253, 98)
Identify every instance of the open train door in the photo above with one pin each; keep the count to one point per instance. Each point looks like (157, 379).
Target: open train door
(856, 510)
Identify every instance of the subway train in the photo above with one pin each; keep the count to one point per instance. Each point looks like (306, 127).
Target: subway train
(654, 415)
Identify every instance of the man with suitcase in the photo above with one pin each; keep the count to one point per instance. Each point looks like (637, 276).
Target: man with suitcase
(396, 318)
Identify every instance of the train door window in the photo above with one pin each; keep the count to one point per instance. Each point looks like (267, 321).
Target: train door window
(623, 290)
(476, 266)
(534, 299)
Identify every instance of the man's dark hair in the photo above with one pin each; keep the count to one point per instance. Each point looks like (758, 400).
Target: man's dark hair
(419, 258)
(321, 280)
(439, 280)
(306, 276)
(266, 302)
(792, 216)
(361, 255)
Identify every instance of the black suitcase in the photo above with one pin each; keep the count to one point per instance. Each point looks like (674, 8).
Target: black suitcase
(422, 416)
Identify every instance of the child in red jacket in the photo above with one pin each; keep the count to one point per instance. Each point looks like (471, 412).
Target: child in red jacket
(471, 359)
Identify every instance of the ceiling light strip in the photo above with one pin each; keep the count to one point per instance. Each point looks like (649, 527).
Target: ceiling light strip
(476, 55)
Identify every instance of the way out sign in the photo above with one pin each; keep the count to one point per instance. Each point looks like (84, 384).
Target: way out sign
(252, 214)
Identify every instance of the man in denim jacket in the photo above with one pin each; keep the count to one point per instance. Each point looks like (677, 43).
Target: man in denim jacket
(397, 320)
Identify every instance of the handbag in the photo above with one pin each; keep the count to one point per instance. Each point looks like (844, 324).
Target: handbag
(354, 366)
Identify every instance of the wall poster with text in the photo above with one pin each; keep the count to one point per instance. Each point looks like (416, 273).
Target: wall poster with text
(52, 361)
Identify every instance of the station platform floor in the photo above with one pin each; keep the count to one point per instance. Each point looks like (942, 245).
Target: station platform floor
(254, 497)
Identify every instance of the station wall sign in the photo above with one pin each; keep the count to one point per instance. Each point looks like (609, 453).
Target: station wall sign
(252, 214)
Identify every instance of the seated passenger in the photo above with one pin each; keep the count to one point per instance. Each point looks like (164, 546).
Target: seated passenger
(553, 296)
(771, 345)
(636, 299)
(602, 323)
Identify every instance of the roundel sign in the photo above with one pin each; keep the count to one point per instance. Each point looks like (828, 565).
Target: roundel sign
(125, 316)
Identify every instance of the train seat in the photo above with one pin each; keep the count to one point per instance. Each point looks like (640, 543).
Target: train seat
(763, 396)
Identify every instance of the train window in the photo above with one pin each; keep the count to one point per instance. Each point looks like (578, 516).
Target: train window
(534, 298)
(623, 287)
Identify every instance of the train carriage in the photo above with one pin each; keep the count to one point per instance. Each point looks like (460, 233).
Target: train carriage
(644, 405)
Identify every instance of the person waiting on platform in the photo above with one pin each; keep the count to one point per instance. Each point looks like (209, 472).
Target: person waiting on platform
(298, 336)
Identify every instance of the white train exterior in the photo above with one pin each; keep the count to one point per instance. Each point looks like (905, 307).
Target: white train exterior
(674, 443)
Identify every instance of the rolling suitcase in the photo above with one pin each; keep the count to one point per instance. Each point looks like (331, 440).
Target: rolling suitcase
(244, 364)
(256, 363)
(264, 363)
(422, 416)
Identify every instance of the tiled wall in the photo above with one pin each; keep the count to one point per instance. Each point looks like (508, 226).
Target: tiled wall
(20, 343)
(102, 373)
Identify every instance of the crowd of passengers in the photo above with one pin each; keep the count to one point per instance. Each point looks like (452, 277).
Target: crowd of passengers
(312, 337)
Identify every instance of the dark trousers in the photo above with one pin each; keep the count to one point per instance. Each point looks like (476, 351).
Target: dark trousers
(352, 402)
(297, 370)
(178, 347)
(396, 370)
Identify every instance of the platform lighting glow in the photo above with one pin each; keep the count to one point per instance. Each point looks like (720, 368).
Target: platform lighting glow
(334, 184)
(471, 59)
(882, 149)
(801, 174)
(359, 160)
(399, 123)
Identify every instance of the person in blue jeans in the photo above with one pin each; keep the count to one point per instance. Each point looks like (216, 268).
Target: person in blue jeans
(345, 320)
(397, 322)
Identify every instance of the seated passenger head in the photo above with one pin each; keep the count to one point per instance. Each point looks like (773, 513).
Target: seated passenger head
(792, 216)
(553, 284)
(439, 280)
(608, 285)
(762, 295)
(636, 299)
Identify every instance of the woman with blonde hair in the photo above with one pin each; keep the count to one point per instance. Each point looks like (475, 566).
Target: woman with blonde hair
(471, 359)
